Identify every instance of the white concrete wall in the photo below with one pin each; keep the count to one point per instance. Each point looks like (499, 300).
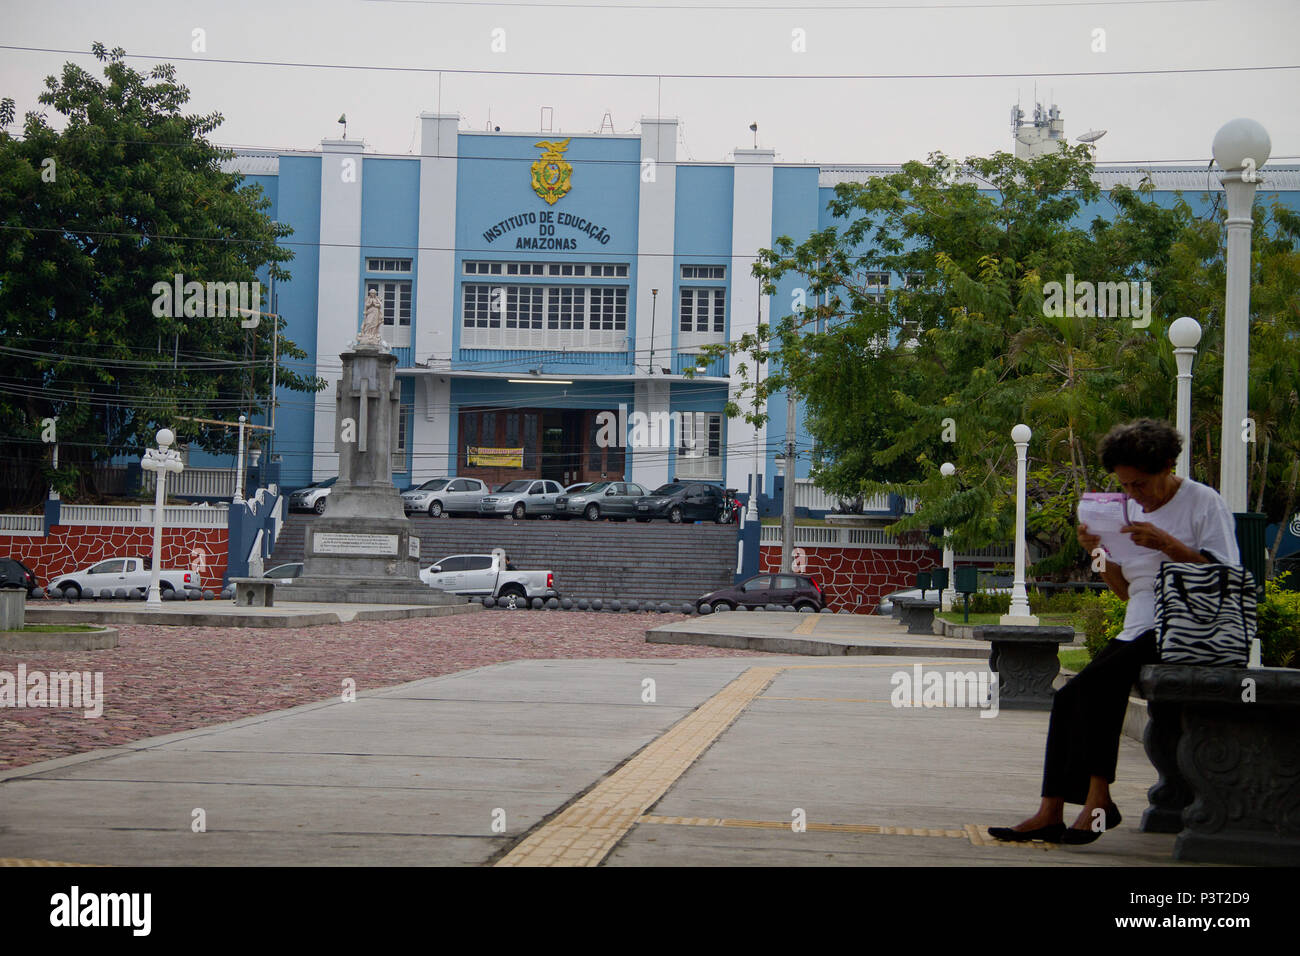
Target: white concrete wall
(751, 230)
(435, 293)
(338, 313)
(650, 460)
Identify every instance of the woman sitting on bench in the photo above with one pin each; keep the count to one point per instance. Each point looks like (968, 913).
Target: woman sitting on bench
(1182, 520)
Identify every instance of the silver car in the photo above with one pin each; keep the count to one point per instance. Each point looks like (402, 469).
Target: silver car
(604, 499)
(444, 496)
(524, 498)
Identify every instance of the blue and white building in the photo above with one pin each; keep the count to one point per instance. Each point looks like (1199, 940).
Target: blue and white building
(532, 281)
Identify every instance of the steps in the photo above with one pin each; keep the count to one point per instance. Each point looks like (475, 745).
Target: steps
(624, 560)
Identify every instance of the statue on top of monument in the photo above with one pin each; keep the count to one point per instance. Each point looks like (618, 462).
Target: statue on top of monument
(374, 320)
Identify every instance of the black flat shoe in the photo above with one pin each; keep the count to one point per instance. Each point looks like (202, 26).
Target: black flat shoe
(1076, 837)
(1048, 834)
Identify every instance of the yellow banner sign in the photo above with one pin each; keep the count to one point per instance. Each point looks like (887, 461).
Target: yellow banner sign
(495, 457)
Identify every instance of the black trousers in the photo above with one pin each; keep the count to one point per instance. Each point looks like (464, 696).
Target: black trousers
(1088, 717)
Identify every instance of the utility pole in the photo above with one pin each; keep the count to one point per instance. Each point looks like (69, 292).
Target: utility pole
(787, 496)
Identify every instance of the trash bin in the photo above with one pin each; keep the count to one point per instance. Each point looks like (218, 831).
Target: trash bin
(1250, 542)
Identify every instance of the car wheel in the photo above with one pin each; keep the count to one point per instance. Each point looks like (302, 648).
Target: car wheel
(675, 515)
(512, 598)
(592, 512)
(806, 607)
(320, 507)
(721, 606)
(435, 509)
(520, 511)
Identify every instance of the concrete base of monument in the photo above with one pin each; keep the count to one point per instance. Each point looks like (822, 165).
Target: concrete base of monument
(323, 588)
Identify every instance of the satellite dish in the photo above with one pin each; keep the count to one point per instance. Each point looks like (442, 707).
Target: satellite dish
(1091, 136)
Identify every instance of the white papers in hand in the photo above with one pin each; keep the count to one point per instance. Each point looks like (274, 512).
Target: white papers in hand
(1104, 515)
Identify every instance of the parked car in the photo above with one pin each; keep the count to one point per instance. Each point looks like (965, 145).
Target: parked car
(763, 589)
(522, 498)
(312, 498)
(603, 499)
(15, 574)
(575, 488)
(446, 495)
(489, 574)
(680, 501)
(284, 571)
(128, 573)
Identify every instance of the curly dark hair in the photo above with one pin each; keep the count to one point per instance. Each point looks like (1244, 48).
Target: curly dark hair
(1146, 444)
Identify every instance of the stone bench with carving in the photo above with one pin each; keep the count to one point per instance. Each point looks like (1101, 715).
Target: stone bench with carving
(917, 614)
(1026, 660)
(254, 592)
(1226, 744)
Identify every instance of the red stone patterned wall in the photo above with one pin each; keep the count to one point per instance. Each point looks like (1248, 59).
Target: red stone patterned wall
(855, 579)
(71, 547)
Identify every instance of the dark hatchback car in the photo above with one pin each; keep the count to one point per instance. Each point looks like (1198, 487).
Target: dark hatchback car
(680, 501)
(763, 589)
(15, 574)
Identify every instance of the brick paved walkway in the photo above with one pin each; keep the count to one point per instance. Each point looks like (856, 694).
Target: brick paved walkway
(166, 679)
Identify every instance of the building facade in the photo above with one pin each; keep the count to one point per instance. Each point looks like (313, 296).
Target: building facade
(545, 295)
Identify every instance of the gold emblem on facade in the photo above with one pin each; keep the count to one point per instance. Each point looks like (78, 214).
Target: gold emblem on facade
(552, 173)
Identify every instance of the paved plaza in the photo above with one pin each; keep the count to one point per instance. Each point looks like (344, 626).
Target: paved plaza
(738, 759)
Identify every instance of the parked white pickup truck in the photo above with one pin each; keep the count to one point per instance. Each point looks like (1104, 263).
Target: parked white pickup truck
(489, 574)
(127, 573)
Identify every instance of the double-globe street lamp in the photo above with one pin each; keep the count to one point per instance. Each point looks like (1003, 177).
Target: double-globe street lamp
(162, 460)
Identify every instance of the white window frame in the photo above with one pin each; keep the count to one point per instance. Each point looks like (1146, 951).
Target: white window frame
(703, 462)
(397, 319)
(691, 300)
(534, 315)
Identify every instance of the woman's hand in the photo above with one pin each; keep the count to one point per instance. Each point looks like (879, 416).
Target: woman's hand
(1147, 535)
(1089, 542)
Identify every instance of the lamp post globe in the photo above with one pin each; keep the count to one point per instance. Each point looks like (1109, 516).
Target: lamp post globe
(948, 594)
(1185, 333)
(1239, 140)
(947, 469)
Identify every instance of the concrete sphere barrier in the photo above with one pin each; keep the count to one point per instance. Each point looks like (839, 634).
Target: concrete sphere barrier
(597, 604)
(583, 604)
(633, 606)
(566, 603)
(105, 594)
(688, 607)
(706, 609)
(552, 603)
(538, 604)
(208, 595)
(38, 592)
(119, 594)
(615, 606)
(489, 601)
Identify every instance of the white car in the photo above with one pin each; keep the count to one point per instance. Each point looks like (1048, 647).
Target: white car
(445, 495)
(312, 498)
(128, 573)
(489, 574)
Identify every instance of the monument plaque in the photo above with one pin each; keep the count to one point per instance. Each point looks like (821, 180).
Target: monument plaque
(337, 543)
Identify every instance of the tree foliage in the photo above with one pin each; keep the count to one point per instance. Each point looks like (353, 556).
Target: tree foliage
(127, 194)
(942, 368)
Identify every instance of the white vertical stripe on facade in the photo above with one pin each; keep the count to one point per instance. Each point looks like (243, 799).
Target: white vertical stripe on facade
(751, 230)
(650, 449)
(435, 292)
(656, 228)
(338, 311)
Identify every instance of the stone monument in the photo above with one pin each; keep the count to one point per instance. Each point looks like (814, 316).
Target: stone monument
(362, 549)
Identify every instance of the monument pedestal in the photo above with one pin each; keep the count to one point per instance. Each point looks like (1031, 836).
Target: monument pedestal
(361, 551)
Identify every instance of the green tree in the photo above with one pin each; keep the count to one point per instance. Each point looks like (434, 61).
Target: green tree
(129, 193)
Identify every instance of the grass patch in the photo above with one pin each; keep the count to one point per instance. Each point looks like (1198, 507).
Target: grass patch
(54, 628)
(955, 617)
(1074, 659)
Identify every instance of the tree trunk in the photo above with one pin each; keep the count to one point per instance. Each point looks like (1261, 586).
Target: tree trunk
(1263, 474)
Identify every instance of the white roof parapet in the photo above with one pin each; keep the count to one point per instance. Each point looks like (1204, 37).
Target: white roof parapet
(253, 162)
(1186, 178)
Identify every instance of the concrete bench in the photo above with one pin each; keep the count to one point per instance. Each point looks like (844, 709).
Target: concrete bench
(1226, 744)
(254, 592)
(917, 614)
(1026, 660)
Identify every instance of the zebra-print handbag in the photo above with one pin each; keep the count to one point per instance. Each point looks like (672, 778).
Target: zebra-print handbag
(1205, 613)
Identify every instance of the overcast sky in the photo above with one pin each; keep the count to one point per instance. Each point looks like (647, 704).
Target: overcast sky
(829, 119)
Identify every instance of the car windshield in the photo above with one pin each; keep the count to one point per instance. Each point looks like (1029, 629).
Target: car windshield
(433, 484)
(514, 486)
(669, 489)
(598, 486)
(326, 483)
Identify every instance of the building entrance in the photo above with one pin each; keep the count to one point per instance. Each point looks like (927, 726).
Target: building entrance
(500, 445)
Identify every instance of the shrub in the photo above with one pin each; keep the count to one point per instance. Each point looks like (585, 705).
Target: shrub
(1100, 616)
(1279, 625)
(1056, 602)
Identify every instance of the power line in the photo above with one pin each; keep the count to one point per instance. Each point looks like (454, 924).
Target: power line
(784, 77)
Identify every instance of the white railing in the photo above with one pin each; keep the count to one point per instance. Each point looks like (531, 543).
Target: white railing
(22, 524)
(133, 516)
(195, 482)
(808, 495)
(818, 536)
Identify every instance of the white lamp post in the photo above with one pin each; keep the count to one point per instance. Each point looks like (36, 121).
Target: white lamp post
(161, 460)
(949, 594)
(1240, 148)
(1184, 334)
(1019, 612)
(239, 464)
